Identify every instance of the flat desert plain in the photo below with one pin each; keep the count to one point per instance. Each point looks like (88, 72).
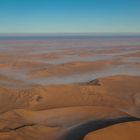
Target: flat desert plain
(70, 88)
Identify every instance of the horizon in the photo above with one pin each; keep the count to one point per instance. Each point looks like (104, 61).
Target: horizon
(72, 33)
(69, 36)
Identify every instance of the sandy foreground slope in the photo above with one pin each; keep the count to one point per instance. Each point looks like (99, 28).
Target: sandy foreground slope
(69, 112)
(123, 131)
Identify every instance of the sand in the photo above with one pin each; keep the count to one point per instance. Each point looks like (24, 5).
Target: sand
(63, 90)
(123, 131)
(83, 107)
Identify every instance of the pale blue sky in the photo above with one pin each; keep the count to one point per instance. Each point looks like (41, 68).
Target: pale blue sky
(45, 16)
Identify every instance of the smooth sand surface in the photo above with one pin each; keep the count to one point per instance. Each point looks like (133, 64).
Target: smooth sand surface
(123, 131)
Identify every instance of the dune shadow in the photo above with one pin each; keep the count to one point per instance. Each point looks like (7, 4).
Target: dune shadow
(80, 131)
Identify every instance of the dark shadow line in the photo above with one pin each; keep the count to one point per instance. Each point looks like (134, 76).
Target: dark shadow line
(79, 132)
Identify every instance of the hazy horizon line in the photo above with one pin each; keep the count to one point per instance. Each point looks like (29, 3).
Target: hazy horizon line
(71, 33)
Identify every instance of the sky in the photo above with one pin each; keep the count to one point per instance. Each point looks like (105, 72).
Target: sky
(69, 16)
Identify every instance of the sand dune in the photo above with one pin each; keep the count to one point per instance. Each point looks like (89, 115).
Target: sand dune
(83, 107)
(68, 120)
(123, 131)
(113, 91)
(71, 68)
(70, 89)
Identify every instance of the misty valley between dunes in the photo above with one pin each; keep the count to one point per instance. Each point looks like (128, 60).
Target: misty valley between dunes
(70, 88)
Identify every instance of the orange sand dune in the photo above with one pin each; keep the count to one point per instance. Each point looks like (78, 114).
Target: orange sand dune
(67, 112)
(123, 131)
(58, 124)
(112, 91)
(61, 89)
(71, 68)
